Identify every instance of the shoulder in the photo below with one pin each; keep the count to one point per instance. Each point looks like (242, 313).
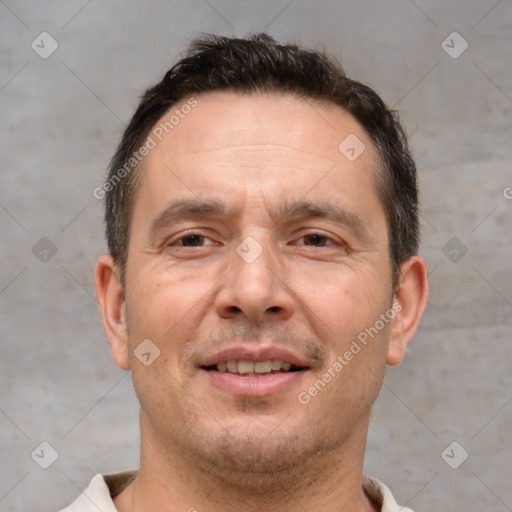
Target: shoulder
(380, 494)
(99, 493)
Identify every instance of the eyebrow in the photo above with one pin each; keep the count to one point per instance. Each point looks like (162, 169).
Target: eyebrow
(180, 209)
(328, 210)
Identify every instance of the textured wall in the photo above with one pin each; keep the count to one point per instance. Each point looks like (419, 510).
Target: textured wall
(61, 118)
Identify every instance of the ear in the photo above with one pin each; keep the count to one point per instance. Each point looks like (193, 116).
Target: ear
(409, 304)
(110, 295)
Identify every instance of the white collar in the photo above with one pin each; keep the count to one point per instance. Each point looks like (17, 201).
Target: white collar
(99, 492)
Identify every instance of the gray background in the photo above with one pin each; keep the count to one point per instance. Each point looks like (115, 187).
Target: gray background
(61, 119)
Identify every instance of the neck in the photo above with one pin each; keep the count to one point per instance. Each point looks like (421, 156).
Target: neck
(169, 480)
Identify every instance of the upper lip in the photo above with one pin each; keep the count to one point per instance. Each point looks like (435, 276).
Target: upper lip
(254, 354)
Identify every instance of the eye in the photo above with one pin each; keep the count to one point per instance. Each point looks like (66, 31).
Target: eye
(191, 240)
(316, 240)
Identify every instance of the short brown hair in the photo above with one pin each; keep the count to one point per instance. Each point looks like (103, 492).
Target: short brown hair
(260, 64)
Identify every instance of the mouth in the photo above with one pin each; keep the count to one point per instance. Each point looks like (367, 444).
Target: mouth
(254, 368)
(254, 374)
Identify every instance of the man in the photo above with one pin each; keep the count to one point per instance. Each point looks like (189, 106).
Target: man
(261, 218)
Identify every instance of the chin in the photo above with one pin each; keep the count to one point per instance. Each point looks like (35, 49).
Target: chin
(257, 451)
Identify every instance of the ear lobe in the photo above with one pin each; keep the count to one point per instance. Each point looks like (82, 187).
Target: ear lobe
(409, 304)
(110, 295)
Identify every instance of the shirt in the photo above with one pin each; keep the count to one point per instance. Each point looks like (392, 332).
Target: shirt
(102, 488)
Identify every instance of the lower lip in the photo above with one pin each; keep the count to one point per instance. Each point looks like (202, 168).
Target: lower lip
(254, 386)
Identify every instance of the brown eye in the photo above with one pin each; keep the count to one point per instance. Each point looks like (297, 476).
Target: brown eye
(191, 240)
(316, 240)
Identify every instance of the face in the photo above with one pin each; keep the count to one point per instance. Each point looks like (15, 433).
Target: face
(258, 254)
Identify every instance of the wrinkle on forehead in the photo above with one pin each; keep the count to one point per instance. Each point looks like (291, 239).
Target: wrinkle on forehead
(262, 156)
(223, 121)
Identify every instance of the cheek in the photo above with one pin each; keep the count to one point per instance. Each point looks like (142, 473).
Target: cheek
(165, 310)
(342, 303)
(155, 302)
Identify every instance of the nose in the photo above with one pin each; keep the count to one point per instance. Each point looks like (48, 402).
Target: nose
(255, 286)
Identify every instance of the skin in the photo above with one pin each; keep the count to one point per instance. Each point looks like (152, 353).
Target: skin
(207, 448)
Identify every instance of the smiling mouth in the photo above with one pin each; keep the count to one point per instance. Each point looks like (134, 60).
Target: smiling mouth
(254, 369)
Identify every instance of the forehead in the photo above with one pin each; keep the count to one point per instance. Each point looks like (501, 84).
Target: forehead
(222, 120)
(256, 143)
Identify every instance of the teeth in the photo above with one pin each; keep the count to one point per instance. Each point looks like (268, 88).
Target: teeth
(251, 369)
(245, 367)
(232, 366)
(262, 366)
(277, 364)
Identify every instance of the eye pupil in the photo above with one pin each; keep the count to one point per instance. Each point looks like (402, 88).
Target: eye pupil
(315, 239)
(191, 238)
